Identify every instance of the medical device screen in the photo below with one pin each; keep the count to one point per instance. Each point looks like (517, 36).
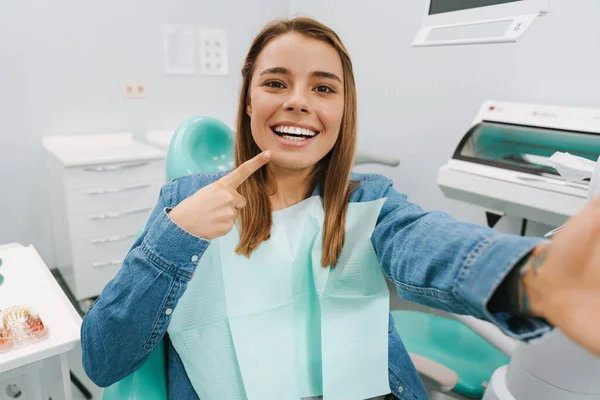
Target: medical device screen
(443, 6)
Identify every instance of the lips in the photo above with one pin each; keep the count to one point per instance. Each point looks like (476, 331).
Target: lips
(294, 140)
(294, 132)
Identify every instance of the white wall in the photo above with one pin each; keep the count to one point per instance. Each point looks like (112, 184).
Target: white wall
(63, 64)
(418, 102)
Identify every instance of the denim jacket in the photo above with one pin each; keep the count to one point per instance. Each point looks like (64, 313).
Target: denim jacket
(432, 259)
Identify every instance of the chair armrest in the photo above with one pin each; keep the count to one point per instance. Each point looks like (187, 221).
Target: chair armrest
(491, 333)
(442, 376)
(371, 158)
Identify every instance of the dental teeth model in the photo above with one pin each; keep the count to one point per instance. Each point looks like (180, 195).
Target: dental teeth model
(20, 326)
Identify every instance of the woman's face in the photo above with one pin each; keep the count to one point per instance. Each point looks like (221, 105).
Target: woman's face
(296, 100)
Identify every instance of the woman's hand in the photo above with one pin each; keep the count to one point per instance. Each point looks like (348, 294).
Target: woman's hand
(211, 211)
(565, 289)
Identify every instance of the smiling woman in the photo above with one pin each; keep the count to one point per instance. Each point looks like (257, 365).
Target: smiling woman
(269, 279)
(298, 99)
(293, 95)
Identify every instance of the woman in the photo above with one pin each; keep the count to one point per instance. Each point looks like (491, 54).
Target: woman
(237, 267)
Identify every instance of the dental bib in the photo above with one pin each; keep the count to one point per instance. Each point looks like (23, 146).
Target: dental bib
(279, 326)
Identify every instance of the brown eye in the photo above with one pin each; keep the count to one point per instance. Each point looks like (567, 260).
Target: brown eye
(324, 89)
(275, 85)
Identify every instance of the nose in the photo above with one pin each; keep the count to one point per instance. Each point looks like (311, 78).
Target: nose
(297, 102)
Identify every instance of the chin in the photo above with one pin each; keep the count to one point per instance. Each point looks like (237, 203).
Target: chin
(293, 164)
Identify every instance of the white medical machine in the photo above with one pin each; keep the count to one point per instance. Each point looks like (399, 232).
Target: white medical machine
(502, 163)
(456, 22)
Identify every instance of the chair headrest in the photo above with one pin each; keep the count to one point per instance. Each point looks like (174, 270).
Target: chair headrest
(200, 144)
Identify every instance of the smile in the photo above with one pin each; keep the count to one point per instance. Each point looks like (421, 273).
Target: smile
(294, 132)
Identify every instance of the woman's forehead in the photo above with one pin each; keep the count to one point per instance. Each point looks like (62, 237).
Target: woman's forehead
(299, 54)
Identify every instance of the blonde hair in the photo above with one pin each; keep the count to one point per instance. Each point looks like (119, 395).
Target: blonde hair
(255, 219)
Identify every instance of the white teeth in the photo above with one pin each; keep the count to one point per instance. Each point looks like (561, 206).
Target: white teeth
(294, 130)
(296, 138)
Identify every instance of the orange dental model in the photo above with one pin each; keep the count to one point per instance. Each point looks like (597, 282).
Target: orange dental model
(20, 326)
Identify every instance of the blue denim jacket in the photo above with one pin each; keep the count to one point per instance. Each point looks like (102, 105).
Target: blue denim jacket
(433, 260)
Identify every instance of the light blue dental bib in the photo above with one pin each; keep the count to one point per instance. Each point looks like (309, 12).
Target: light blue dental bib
(278, 326)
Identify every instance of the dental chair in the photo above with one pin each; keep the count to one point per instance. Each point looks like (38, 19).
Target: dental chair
(205, 144)
(455, 355)
(200, 145)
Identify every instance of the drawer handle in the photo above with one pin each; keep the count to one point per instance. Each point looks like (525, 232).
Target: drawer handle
(119, 214)
(93, 192)
(112, 239)
(115, 167)
(107, 263)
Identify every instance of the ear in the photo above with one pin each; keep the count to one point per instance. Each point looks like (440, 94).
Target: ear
(249, 110)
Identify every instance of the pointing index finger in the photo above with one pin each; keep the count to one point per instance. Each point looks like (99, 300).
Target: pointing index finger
(239, 175)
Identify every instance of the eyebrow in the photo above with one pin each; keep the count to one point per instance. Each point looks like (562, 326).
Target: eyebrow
(275, 70)
(328, 75)
(318, 74)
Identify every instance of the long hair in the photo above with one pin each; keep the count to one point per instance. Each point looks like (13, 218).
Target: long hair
(255, 219)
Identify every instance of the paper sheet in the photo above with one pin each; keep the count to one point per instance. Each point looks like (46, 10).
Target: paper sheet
(179, 50)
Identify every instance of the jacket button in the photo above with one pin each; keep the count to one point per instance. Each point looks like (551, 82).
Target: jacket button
(169, 311)
(195, 258)
(400, 389)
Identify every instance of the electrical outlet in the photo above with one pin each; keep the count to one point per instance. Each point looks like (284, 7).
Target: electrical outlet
(134, 91)
(213, 52)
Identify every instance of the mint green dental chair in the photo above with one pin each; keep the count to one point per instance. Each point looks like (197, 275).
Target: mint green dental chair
(201, 144)
(454, 345)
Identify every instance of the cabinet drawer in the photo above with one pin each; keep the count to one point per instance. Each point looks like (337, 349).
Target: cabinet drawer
(90, 282)
(113, 198)
(94, 253)
(110, 175)
(97, 261)
(109, 224)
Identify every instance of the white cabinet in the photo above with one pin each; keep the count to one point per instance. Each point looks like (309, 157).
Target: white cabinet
(102, 189)
(39, 370)
(160, 139)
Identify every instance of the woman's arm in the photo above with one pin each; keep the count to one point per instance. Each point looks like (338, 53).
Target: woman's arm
(442, 263)
(133, 312)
